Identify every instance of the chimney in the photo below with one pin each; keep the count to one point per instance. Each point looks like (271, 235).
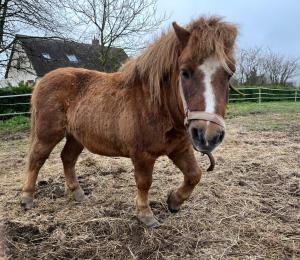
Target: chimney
(95, 41)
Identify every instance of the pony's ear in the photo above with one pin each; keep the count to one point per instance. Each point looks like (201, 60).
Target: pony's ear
(182, 34)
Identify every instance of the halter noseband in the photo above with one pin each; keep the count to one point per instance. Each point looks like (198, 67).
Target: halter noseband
(198, 115)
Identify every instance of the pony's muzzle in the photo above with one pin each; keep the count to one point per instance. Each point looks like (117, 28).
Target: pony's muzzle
(205, 135)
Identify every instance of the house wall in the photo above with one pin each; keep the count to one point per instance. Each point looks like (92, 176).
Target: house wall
(25, 72)
(4, 83)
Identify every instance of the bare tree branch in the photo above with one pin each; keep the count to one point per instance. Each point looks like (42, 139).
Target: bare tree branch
(27, 15)
(280, 69)
(258, 66)
(117, 23)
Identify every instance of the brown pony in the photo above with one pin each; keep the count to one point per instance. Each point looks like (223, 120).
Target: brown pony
(168, 100)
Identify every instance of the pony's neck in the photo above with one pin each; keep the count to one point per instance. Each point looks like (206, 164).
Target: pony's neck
(171, 100)
(156, 71)
(154, 66)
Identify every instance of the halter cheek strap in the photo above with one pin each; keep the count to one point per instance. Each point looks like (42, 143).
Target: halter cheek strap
(201, 115)
(198, 115)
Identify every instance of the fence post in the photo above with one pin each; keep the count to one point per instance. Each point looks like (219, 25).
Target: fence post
(259, 95)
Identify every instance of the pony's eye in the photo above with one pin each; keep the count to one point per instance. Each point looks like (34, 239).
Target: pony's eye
(185, 74)
(229, 76)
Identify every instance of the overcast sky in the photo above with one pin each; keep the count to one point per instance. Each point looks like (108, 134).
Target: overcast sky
(268, 23)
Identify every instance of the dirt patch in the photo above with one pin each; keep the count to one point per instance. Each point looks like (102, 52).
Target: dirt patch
(248, 208)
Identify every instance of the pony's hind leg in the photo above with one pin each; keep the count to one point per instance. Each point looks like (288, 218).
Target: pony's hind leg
(39, 152)
(69, 156)
(47, 130)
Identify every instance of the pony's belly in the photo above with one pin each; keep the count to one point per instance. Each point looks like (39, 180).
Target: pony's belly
(100, 128)
(102, 147)
(99, 142)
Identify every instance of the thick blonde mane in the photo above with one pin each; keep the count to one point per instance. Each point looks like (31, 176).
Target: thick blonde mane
(160, 60)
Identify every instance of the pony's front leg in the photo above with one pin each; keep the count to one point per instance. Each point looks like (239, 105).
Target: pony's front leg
(186, 162)
(143, 177)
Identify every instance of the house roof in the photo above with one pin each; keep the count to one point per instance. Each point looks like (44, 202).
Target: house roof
(47, 54)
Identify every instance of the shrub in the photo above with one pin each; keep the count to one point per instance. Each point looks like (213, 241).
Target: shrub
(15, 104)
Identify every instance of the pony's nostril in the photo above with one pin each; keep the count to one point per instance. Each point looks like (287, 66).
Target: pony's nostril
(198, 135)
(195, 133)
(222, 134)
(218, 138)
(215, 140)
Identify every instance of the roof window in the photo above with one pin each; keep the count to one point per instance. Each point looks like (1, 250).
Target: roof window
(72, 58)
(46, 56)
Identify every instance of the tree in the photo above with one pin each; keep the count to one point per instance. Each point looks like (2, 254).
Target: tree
(250, 66)
(20, 16)
(259, 66)
(281, 69)
(116, 23)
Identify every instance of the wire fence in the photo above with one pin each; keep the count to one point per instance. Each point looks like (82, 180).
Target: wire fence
(265, 94)
(13, 105)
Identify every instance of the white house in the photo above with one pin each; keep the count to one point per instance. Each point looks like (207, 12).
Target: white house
(33, 57)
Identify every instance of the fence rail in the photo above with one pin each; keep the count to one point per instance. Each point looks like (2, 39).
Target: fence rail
(265, 94)
(13, 96)
(11, 105)
(14, 105)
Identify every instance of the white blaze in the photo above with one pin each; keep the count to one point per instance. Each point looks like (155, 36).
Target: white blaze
(208, 68)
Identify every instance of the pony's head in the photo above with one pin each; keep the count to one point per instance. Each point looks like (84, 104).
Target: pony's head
(206, 64)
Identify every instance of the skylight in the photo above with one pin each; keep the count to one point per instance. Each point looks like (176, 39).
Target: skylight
(72, 58)
(46, 56)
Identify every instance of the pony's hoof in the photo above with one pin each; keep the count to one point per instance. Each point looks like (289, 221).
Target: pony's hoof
(26, 201)
(173, 206)
(78, 195)
(149, 221)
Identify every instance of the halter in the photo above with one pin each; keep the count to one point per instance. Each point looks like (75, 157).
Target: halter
(198, 115)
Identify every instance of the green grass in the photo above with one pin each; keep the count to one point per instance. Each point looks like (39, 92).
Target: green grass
(14, 124)
(266, 116)
(247, 108)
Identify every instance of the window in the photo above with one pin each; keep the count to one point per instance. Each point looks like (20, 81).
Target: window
(46, 56)
(72, 58)
(30, 82)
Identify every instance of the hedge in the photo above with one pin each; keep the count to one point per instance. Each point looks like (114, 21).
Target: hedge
(15, 104)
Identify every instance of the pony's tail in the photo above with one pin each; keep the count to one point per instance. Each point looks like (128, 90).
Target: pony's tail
(32, 117)
(32, 123)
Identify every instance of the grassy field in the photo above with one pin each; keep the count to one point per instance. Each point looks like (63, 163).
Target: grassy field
(15, 124)
(246, 108)
(247, 208)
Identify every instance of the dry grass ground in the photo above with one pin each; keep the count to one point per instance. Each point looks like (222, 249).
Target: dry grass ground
(248, 208)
